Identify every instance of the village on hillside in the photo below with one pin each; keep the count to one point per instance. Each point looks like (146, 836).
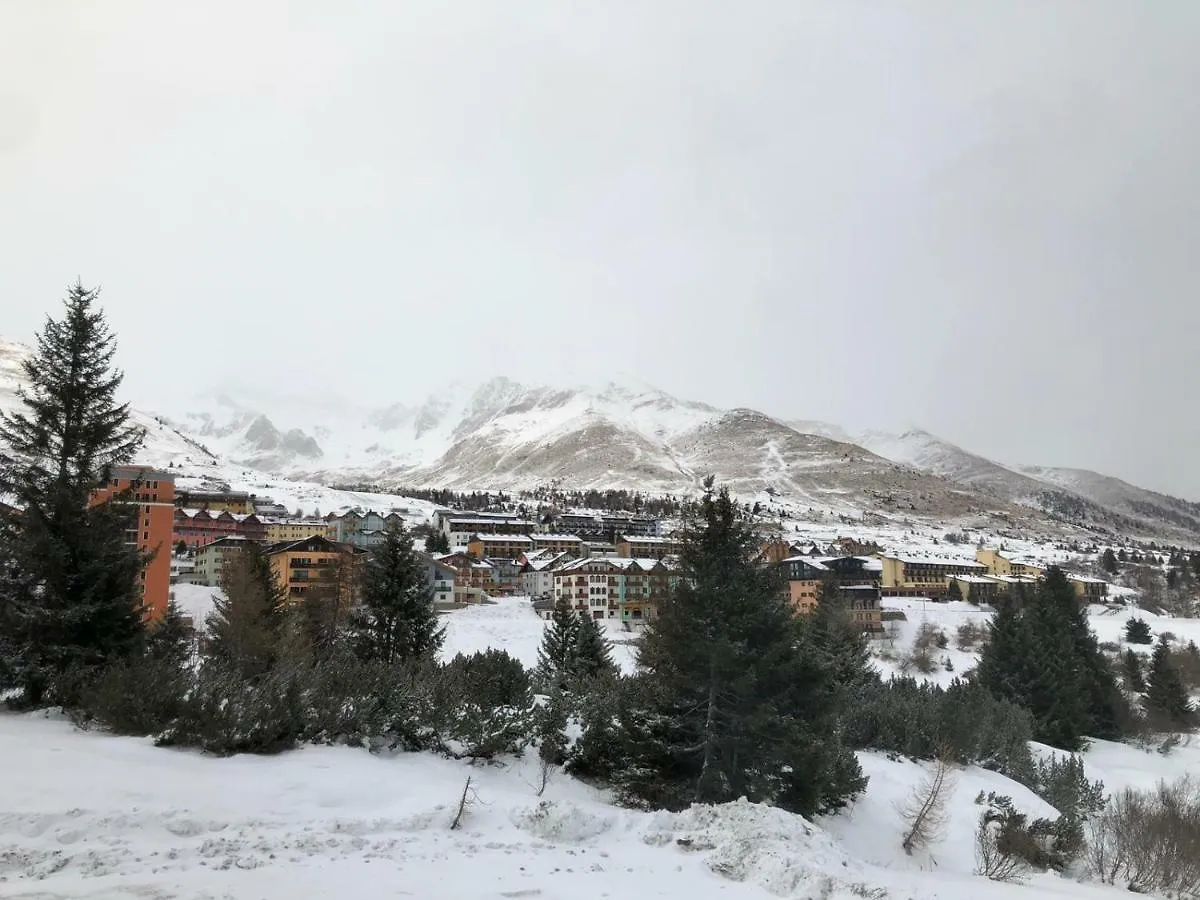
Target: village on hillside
(614, 566)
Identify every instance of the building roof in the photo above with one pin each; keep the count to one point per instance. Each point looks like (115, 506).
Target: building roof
(1086, 579)
(556, 537)
(975, 579)
(642, 539)
(908, 559)
(808, 561)
(227, 541)
(502, 538)
(476, 520)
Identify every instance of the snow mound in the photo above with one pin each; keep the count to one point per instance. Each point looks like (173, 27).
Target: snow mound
(747, 842)
(561, 821)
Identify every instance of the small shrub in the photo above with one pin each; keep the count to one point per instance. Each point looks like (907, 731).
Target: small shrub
(1149, 841)
(970, 635)
(224, 713)
(1137, 631)
(135, 697)
(491, 708)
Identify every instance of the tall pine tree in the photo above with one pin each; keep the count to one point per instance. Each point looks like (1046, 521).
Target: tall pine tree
(246, 624)
(72, 601)
(397, 621)
(1044, 657)
(556, 655)
(593, 651)
(736, 699)
(1166, 697)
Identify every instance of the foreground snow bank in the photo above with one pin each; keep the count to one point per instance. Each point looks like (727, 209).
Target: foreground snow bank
(89, 815)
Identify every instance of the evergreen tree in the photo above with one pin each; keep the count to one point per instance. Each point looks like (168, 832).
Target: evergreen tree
(736, 699)
(1137, 631)
(593, 651)
(437, 542)
(842, 641)
(172, 639)
(1045, 658)
(954, 592)
(397, 621)
(246, 624)
(556, 655)
(1165, 693)
(1108, 562)
(181, 548)
(1132, 668)
(72, 599)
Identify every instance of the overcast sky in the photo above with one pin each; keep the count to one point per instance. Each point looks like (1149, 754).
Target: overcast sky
(979, 218)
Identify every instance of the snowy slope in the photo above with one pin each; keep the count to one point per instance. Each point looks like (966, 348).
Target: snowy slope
(1073, 495)
(90, 815)
(163, 442)
(1121, 497)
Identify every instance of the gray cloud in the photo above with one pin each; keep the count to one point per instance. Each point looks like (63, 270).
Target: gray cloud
(975, 217)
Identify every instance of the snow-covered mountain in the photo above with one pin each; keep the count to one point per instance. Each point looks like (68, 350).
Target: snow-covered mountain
(163, 443)
(1074, 495)
(506, 435)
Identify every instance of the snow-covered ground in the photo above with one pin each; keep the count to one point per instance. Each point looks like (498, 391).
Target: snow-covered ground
(509, 623)
(89, 815)
(891, 650)
(95, 816)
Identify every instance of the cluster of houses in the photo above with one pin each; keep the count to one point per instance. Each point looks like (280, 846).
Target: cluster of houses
(608, 566)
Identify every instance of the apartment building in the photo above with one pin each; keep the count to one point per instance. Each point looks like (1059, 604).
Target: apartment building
(503, 546)
(212, 557)
(637, 547)
(279, 530)
(152, 492)
(300, 564)
(217, 501)
(924, 576)
(558, 543)
(460, 530)
(999, 562)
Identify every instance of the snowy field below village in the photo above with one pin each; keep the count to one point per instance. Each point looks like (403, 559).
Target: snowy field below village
(87, 815)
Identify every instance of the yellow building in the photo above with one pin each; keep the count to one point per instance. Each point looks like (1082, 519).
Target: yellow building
(924, 575)
(979, 588)
(300, 564)
(559, 543)
(999, 563)
(1089, 590)
(216, 501)
(294, 529)
(499, 546)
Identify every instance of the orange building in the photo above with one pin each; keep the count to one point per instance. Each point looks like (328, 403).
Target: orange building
(152, 491)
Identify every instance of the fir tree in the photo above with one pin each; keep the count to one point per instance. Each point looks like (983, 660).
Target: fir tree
(181, 548)
(1108, 562)
(736, 699)
(842, 641)
(593, 651)
(1137, 631)
(72, 600)
(556, 655)
(437, 542)
(246, 624)
(1044, 658)
(954, 592)
(1131, 666)
(172, 640)
(1165, 693)
(397, 621)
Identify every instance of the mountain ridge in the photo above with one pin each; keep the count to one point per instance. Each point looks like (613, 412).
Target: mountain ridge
(502, 434)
